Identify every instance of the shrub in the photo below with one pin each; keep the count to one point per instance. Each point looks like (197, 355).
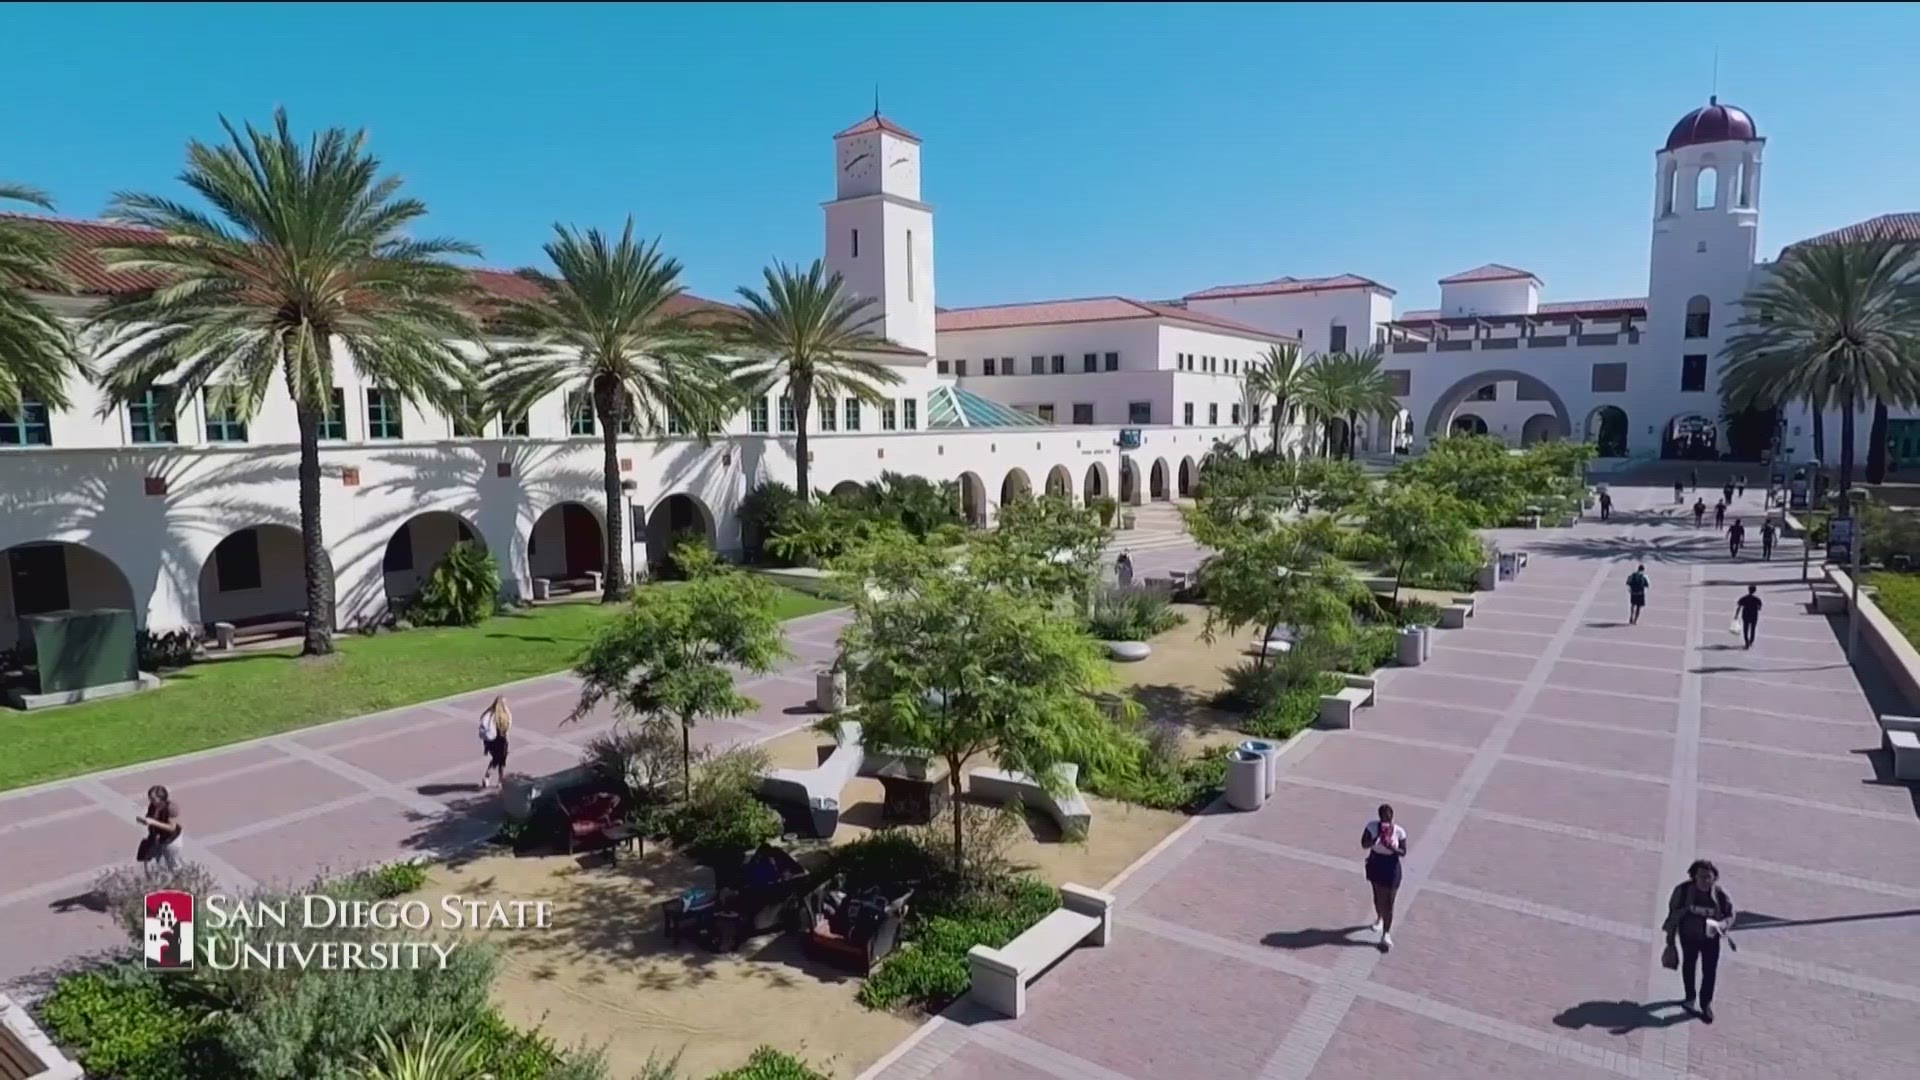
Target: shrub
(766, 1063)
(512, 1054)
(173, 649)
(1291, 711)
(381, 882)
(1187, 786)
(723, 818)
(931, 970)
(1371, 647)
(760, 515)
(126, 1024)
(429, 1053)
(1419, 613)
(122, 891)
(642, 761)
(1131, 615)
(1106, 506)
(462, 590)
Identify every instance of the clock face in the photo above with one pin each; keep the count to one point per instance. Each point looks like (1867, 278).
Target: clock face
(858, 158)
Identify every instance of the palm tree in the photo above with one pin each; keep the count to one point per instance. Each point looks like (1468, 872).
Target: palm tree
(1278, 375)
(1836, 323)
(37, 354)
(1365, 390)
(615, 321)
(1322, 396)
(305, 252)
(807, 332)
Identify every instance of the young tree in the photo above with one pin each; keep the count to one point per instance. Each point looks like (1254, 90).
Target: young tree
(307, 251)
(1045, 548)
(940, 665)
(37, 354)
(1420, 532)
(668, 660)
(1287, 575)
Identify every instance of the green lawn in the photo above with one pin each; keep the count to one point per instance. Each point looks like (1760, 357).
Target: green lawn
(1899, 597)
(255, 694)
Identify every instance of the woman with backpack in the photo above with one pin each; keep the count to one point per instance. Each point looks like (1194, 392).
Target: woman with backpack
(1698, 918)
(494, 724)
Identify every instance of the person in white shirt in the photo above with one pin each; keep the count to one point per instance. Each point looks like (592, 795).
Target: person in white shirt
(1385, 844)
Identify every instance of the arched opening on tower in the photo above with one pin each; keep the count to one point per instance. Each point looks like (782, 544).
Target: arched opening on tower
(1060, 482)
(677, 519)
(973, 500)
(1607, 431)
(1706, 188)
(1186, 477)
(1541, 427)
(1157, 480)
(1015, 486)
(1699, 317)
(1467, 423)
(1129, 482)
(1441, 418)
(1690, 437)
(1095, 484)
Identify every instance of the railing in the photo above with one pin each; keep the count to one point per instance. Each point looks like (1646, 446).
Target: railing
(1409, 346)
(1500, 343)
(1558, 341)
(1454, 346)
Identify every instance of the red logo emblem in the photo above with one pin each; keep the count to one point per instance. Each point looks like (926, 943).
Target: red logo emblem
(169, 930)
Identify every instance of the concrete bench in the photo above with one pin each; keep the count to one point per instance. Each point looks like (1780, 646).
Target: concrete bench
(1000, 977)
(1271, 647)
(1336, 709)
(1900, 736)
(819, 789)
(1069, 809)
(1828, 599)
(1454, 616)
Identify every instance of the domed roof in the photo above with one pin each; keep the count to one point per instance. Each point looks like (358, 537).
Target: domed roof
(1711, 124)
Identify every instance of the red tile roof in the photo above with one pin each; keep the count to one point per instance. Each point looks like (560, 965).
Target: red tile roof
(876, 122)
(1904, 226)
(1489, 272)
(1628, 305)
(1086, 309)
(1283, 286)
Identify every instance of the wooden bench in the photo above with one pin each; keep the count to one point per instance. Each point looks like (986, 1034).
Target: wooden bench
(1336, 709)
(1900, 737)
(1000, 976)
(1069, 809)
(818, 789)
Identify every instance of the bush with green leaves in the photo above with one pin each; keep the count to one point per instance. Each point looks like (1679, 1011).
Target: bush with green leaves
(641, 760)
(761, 513)
(125, 1023)
(1290, 711)
(1106, 506)
(1131, 614)
(1161, 776)
(509, 1053)
(722, 818)
(381, 882)
(766, 1063)
(1418, 613)
(930, 970)
(462, 590)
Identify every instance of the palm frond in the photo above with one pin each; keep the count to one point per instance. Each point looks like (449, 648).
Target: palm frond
(38, 353)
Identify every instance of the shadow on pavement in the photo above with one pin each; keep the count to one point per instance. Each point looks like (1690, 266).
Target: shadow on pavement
(1315, 937)
(1623, 1017)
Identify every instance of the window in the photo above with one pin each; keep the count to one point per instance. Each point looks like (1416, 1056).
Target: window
(465, 425)
(150, 416)
(787, 421)
(28, 427)
(1044, 412)
(1745, 186)
(1400, 381)
(856, 243)
(889, 415)
(823, 409)
(1038, 365)
(383, 418)
(223, 419)
(580, 412)
(1006, 365)
(1090, 362)
(910, 414)
(986, 366)
(1337, 338)
(399, 556)
(942, 367)
(676, 424)
(1236, 412)
(236, 561)
(1693, 373)
(757, 416)
(1213, 412)
(629, 413)
(853, 414)
(1609, 378)
(960, 369)
(1667, 181)
(1699, 317)
(514, 427)
(1139, 412)
(909, 266)
(1113, 361)
(1706, 188)
(334, 424)
(1489, 392)
(1083, 413)
(1186, 414)
(1059, 365)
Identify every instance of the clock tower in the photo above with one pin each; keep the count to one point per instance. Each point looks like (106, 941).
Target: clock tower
(879, 233)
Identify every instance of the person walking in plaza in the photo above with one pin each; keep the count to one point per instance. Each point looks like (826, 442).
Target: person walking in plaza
(1679, 494)
(1386, 845)
(1606, 504)
(1740, 484)
(495, 722)
(1123, 570)
(1693, 479)
(1726, 493)
(161, 846)
(1768, 533)
(1736, 535)
(1747, 608)
(1720, 515)
(1699, 511)
(1636, 593)
(1698, 918)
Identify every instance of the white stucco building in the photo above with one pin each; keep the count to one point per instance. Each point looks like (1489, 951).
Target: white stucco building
(188, 517)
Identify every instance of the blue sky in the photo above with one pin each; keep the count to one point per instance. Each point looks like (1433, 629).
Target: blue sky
(1071, 150)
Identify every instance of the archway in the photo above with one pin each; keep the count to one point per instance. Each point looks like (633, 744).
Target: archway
(1532, 388)
(1157, 480)
(676, 518)
(1129, 482)
(1607, 431)
(50, 576)
(1015, 486)
(254, 576)
(1095, 484)
(849, 491)
(567, 543)
(1467, 423)
(1060, 482)
(1540, 427)
(1186, 478)
(973, 499)
(1690, 437)
(417, 546)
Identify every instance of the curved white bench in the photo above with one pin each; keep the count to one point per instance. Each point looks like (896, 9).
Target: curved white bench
(1069, 810)
(819, 789)
(1128, 652)
(999, 977)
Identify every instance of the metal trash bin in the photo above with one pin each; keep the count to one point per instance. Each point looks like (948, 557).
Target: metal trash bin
(1269, 761)
(1246, 780)
(1509, 566)
(1411, 648)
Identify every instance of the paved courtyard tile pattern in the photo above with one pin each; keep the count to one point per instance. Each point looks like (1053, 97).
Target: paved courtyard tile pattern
(1557, 770)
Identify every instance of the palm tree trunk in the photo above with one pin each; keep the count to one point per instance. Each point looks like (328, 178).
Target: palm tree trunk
(607, 402)
(317, 628)
(1353, 444)
(1279, 414)
(1877, 444)
(954, 806)
(686, 761)
(802, 391)
(1819, 432)
(1846, 446)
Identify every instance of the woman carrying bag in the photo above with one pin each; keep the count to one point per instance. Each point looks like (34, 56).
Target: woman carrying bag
(1699, 915)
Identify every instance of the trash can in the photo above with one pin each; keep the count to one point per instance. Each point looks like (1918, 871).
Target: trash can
(1269, 762)
(1410, 650)
(1246, 780)
(1487, 578)
(1509, 566)
(1426, 642)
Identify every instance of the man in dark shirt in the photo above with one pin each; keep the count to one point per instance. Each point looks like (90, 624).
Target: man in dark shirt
(1736, 535)
(1606, 505)
(1768, 533)
(1748, 607)
(1699, 511)
(1636, 593)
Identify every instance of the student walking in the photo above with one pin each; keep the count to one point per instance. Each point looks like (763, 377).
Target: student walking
(1606, 504)
(1123, 570)
(1740, 482)
(1747, 609)
(161, 845)
(1699, 916)
(495, 722)
(1636, 593)
(1719, 515)
(1386, 845)
(1679, 494)
(1693, 479)
(1699, 511)
(1726, 493)
(1736, 535)
(1768, 533)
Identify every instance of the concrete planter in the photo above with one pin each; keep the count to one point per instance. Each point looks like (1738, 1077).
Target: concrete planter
(1487, 578)
(830, 690)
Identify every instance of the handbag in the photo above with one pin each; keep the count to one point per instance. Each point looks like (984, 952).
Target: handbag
(1670, 957)
(145, 852)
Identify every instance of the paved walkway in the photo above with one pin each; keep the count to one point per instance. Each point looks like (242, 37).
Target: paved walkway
(1557, 770)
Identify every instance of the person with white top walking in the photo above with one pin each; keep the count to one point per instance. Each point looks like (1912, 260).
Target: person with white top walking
(1385, 844)
(494, 724)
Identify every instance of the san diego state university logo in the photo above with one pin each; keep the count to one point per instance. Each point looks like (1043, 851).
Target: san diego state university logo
(169, 930)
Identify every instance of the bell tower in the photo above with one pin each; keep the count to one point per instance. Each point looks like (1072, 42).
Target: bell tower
(879, 233)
